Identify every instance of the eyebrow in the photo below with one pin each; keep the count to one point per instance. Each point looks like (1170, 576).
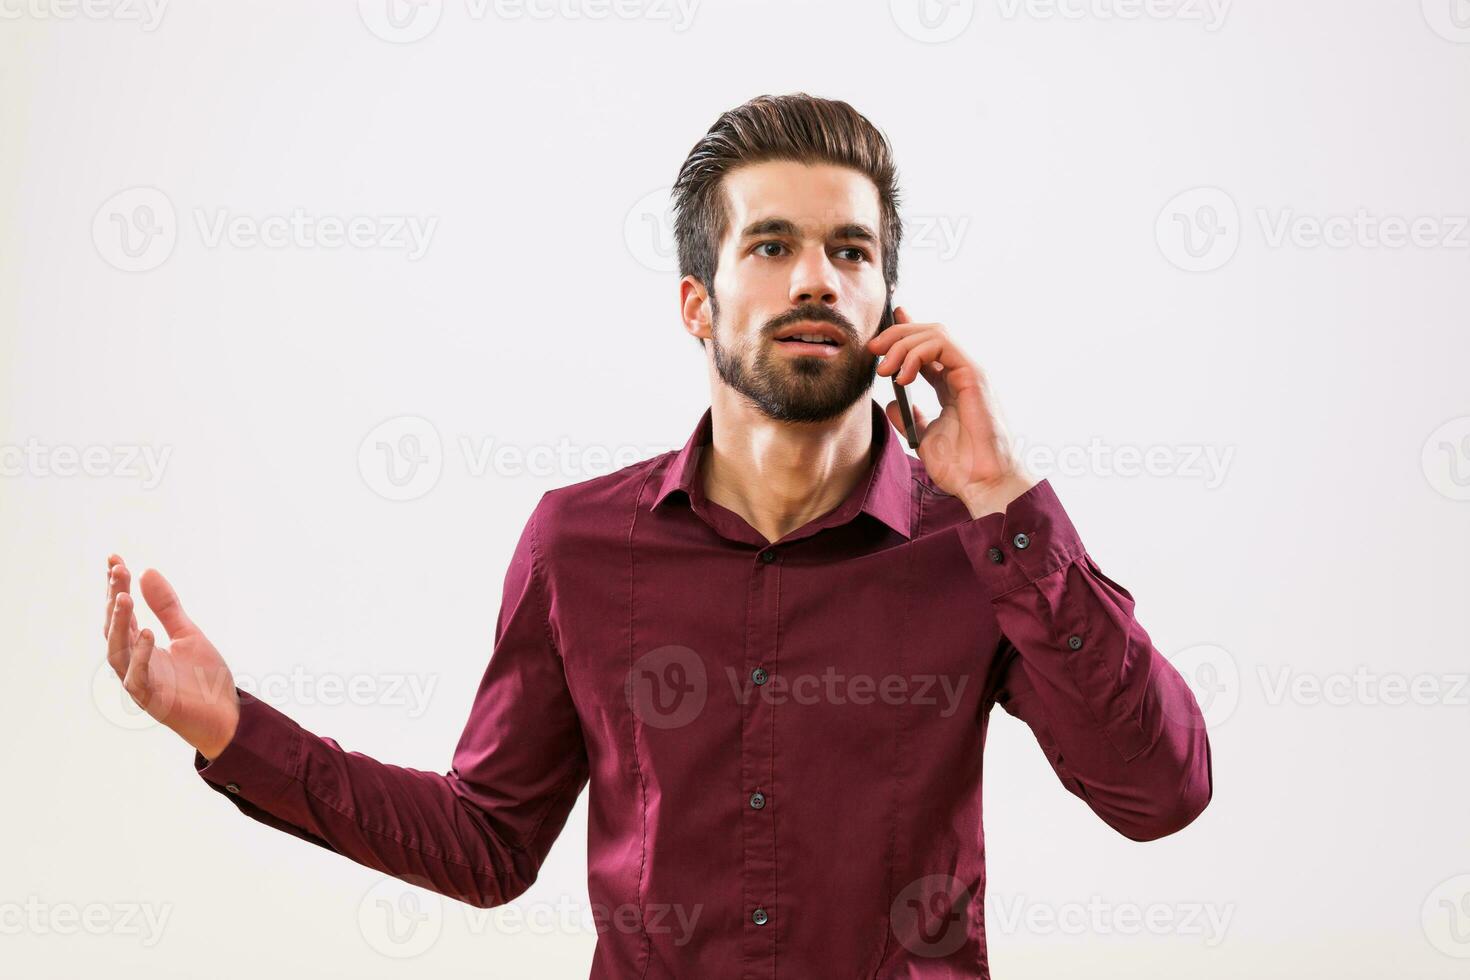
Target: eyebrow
(782, 226)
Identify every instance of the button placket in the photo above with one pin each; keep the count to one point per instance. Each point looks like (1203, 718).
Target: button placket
(757, 765)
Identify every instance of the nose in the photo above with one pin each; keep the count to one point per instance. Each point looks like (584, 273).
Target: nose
(813, 279)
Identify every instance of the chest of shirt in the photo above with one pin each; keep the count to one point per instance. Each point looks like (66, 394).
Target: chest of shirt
(833, 641)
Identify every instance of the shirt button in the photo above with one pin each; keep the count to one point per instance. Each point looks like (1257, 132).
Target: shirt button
(1021, 541)
(759, 675)
(232, 787)
(1074, 641)
(768, 556)
(757, 800)
(996, 555)
(759, 917)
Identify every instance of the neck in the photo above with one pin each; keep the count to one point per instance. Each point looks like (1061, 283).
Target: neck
(779, 476)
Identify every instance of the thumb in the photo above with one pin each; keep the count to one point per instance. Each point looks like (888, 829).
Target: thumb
(164, 602)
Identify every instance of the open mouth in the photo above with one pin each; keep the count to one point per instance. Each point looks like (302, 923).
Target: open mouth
(813, 342)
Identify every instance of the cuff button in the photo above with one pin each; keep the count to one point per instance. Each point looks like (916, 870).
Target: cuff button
(232, 788)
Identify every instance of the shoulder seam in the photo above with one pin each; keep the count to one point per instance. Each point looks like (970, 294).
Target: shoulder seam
(538, 572)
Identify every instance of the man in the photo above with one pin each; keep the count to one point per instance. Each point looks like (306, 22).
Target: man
(773, 653)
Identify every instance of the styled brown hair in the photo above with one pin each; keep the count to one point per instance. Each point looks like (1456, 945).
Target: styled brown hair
(797, 127)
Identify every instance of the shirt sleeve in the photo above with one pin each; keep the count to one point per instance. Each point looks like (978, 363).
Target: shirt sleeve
(477, 833)
(1117, 722)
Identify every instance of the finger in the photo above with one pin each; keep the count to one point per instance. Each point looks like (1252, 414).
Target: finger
(107, 595)
(897, 357)
(118, 580)
(916, 357)
(135, 681)
(125, 586)
(934, 373)
(894, 352)
(164, 602)
(921, 421)
(117, 638)
(895, 415)
(880, 342)
(108, 601)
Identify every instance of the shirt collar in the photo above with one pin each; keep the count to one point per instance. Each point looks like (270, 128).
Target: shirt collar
(885, 491)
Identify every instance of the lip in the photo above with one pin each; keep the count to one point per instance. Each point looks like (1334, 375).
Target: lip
(818, 327)
(798, 348)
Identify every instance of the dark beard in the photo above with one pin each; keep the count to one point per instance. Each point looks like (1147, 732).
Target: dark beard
(795, 389)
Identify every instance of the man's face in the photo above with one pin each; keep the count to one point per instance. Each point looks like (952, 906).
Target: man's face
(801, 254)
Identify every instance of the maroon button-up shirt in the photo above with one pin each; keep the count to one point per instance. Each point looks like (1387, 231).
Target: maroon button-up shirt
(784, 740)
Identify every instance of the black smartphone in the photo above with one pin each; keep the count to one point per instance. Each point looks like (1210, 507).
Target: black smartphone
(903, 399)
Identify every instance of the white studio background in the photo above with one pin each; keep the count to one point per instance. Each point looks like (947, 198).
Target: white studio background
(1213, 255)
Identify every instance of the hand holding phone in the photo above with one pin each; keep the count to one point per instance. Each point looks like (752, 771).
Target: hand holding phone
(903, 399)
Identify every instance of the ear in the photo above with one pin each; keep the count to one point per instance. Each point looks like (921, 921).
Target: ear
(694, 308)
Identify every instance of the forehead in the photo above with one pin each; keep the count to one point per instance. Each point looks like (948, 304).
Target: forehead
(816, 197)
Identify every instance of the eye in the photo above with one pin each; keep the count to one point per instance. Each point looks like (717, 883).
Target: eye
(857, 254)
